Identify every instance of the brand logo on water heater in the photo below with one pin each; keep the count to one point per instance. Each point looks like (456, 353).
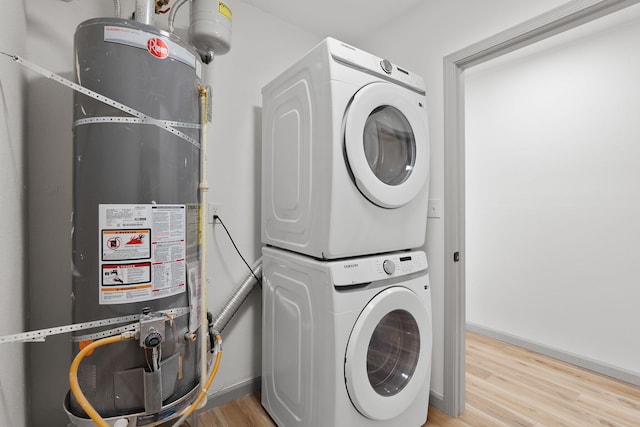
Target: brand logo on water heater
(157, 47)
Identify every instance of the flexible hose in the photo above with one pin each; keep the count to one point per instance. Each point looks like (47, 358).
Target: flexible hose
(231, 307)
(73, 376)
(116, 8)
(189, 410)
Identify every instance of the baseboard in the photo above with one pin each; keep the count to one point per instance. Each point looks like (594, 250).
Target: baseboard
(575, 359)
(437, 401)
(232, 393)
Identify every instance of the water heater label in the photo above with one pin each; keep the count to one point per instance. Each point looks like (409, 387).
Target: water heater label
(224, 10)
(159, 47)
(142, 251)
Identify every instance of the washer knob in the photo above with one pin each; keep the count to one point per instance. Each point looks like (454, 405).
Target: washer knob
(386, 66)
(389, 267)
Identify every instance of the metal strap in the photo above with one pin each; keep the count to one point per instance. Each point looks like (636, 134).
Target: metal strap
(106, 100)
(173, 313)
(135, 120)
(107, 333)
(41, 334)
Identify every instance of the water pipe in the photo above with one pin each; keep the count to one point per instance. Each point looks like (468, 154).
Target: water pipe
(145, 10)
(204, 189)
(173, 11)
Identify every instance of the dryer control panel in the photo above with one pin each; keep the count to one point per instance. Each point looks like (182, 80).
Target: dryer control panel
(378, 267)
(380, 67)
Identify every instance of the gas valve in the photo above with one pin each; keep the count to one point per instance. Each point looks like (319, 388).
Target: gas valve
(153, 338)
(152, 329)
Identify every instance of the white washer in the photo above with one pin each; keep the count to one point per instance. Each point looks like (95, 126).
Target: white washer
(345, 155)
(348, 342)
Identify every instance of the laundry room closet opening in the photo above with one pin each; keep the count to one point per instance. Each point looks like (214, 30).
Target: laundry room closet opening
(604, 200)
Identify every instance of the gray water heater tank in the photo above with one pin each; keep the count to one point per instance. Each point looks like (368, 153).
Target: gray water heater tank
(135, 236)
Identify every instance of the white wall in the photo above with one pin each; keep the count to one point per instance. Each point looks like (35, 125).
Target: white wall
(12, 216)
(50, 28)
(553, 198)
(262, 46)
(49, 158)
(419, 42)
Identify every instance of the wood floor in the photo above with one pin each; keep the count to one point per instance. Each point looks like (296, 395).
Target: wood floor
(505, 386)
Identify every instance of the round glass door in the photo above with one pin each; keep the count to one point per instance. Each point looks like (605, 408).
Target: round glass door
(393, 353)
(386, 143)
(388, 354)
(389, 145)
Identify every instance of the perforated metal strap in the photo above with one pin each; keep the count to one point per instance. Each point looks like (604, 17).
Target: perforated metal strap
(173, 313)
(144, 119)
(135, 120)
(42, 334)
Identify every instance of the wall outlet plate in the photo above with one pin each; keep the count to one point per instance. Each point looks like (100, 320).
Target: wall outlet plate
(214, 209)
(435, 208)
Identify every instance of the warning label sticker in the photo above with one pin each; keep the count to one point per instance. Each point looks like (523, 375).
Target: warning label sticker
(224, 10)
(126, 274)
(120, 245)
(142, 251)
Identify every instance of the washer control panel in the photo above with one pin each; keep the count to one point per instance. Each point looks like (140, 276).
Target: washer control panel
(378, 267)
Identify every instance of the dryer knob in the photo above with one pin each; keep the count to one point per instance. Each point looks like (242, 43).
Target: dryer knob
(389, 267)
(386, 66)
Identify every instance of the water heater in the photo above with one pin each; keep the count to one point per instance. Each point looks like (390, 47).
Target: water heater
(135, 217)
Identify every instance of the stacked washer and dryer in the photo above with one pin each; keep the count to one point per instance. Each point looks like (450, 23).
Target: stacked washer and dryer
(347, 332)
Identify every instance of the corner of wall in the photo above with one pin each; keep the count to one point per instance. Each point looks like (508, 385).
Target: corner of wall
(13, 225)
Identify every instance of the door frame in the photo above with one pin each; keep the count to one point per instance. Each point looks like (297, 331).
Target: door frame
(560, 19)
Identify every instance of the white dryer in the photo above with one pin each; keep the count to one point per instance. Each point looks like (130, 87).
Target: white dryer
(345, 155)
(346, 342)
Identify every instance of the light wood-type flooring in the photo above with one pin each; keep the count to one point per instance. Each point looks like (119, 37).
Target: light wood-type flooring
(505, 386)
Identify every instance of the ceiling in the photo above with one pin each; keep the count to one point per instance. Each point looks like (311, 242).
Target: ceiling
(346, 20)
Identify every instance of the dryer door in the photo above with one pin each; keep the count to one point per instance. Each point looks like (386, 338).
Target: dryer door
(387, 143)
(388, 354)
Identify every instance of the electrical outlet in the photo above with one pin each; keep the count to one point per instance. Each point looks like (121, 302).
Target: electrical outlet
(214, 209)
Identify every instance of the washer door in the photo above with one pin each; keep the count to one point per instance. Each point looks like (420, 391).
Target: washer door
(388, 354)
(386, 144)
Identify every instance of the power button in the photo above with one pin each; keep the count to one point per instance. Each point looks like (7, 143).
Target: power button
(389, 267)
(386, 66)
